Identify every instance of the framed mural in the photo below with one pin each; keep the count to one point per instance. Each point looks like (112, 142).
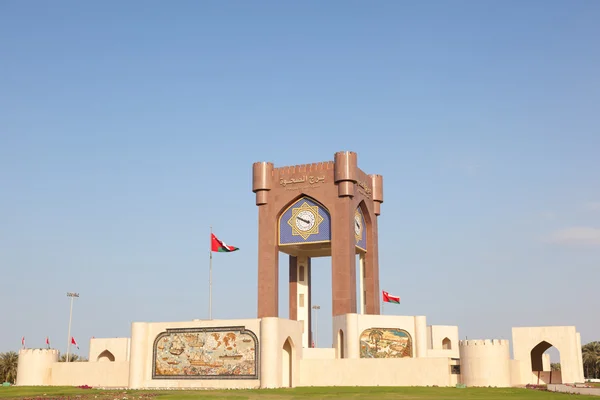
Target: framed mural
(206, 353)
(385, 343)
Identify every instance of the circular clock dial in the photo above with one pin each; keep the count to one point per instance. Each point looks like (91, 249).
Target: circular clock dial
(305, 220)
(357, 224)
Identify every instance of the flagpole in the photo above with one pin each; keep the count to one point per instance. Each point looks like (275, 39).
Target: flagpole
(210, 278)
(72, 296)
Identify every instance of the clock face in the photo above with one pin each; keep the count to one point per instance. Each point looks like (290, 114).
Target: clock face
(305, 220)
(357, 224)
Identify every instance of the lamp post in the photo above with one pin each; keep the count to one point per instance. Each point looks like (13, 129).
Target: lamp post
(316, 308)
(72, 296)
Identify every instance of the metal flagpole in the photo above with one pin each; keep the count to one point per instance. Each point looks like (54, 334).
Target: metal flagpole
(71, 295)
(210, 279)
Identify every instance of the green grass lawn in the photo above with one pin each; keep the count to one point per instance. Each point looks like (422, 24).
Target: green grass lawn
(378, 393)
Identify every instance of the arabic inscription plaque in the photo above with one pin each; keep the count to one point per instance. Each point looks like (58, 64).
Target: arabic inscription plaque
(302, 182)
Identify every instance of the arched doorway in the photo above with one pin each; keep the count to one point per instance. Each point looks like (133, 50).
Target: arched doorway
(545, 363)
(106, 356)
(287, 363)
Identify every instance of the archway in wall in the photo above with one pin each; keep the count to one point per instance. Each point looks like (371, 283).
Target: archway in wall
(106, 356)
(447, 344)
(287, 363)
(545, 363)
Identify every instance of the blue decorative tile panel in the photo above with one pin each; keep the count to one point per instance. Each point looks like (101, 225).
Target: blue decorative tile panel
(305, 221)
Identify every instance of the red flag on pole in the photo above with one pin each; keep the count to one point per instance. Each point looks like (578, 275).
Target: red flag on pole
(23, 341)
(388, 298)
(47, 342)
(73, 342)
(220, 246)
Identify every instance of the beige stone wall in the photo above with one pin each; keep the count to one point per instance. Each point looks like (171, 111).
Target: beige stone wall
(426, 340)
(546, 362)
(318, 354)
(376, 372)
(564, 338)
(353, 325)
(515, 373)
(281, 351)
(34, 366)
(283, 362)
(98, 374)
(441, 336)
(143, 335)
(580, 358)
(485, 363)
(103, 350)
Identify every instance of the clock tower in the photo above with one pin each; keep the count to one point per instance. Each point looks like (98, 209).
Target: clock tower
(325, 209)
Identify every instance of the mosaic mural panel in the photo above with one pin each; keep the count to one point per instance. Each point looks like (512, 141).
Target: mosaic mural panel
(305, 221)
(360, 229)
(385, 343)
(206, 353)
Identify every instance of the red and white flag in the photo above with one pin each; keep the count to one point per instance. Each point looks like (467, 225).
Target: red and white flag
(47, 342)
(220, 246)
(23, 341)
(73, 342)
(388, 298)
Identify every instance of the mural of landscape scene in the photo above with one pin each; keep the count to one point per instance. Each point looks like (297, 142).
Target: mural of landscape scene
(206, 353)
(385, 343)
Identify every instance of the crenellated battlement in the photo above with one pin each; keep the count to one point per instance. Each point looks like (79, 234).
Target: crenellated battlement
(38, 351)
(296, 169)
(484, 342)
(34, 365)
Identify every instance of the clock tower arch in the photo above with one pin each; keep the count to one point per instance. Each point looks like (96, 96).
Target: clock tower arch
(317, 210)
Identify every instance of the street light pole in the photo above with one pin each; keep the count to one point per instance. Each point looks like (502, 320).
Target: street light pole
(316, 308)
(72, 296)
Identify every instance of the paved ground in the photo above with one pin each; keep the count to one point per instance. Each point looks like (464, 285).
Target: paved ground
(592, 391)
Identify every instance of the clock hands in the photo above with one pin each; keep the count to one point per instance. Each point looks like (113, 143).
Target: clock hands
(303, 220)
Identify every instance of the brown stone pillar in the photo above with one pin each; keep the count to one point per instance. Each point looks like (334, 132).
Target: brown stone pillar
(268, 265)
(343, 261)
(373, 293)
(309, 273)
(371, 282)
(293, 289)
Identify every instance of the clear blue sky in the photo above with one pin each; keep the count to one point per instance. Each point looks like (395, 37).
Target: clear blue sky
(128, 128)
